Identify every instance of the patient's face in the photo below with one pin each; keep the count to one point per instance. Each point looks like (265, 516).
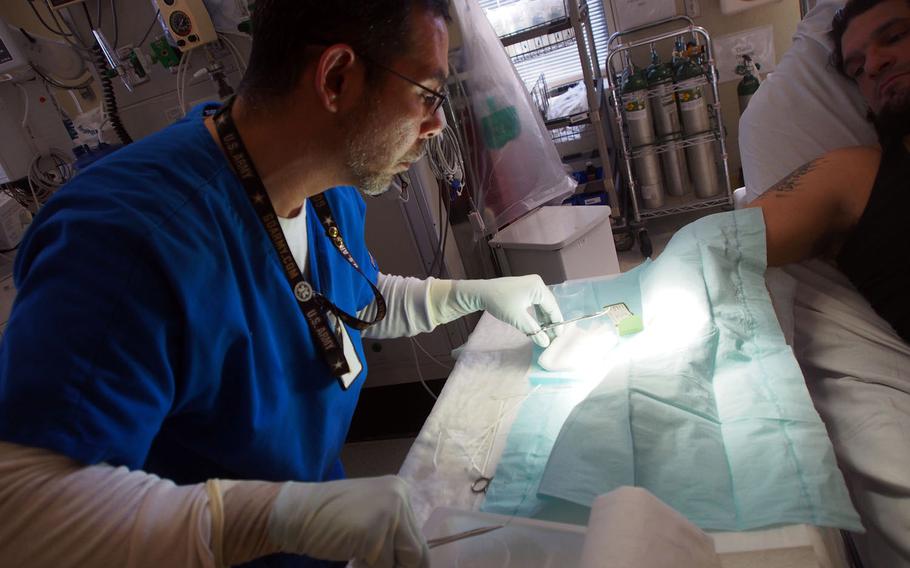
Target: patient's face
(876, 47)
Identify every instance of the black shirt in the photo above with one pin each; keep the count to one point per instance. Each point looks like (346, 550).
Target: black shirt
(876, 255)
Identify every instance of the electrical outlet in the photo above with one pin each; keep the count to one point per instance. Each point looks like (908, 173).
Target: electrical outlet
(693, 8)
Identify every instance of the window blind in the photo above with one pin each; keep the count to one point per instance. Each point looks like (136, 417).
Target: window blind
(561, 65)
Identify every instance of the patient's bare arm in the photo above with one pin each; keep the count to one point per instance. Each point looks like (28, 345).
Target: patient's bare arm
(794, 178)
(809, 210)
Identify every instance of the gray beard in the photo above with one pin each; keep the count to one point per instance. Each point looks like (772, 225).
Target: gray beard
(365, 157)
(369, 182)
(372, 185)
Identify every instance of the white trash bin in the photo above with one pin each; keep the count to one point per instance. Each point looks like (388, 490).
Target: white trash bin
(560, 243)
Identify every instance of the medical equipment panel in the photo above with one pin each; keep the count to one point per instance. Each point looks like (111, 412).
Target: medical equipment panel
(188, 22)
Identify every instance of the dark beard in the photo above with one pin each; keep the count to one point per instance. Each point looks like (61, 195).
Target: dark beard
(892, 123)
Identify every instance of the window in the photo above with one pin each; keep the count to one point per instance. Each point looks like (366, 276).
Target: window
(560, 65)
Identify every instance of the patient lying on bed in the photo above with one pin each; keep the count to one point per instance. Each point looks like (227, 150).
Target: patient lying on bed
(851, 205)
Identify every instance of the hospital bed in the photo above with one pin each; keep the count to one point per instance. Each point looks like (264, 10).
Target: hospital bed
(499, 430)
(460, 445)
(856, 367)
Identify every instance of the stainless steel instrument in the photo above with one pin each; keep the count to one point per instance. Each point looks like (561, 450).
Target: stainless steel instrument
(434, 542)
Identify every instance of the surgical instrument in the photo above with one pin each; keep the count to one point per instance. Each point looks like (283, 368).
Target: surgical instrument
(617, 312)
(481, 484)
(434, 542)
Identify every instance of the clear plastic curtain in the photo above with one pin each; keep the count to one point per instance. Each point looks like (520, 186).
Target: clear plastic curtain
(514, 164)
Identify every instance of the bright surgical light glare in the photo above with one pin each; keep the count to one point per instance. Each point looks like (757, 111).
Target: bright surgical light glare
(580, 349)
(674, 319)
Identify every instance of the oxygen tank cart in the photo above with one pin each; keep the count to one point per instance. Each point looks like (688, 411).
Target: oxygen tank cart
(697, 135)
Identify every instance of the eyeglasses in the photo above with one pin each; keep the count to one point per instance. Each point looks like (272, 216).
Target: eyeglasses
(439, 97)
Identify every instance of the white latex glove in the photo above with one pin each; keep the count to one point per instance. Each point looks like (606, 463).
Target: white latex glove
(512, 300)
(368, 520)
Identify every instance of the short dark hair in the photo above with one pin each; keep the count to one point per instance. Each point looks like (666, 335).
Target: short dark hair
(842, 19)
(283, 29)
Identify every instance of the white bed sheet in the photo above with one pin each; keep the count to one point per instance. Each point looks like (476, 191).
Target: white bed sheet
(465, 434)
(856, 367)
(487, 384)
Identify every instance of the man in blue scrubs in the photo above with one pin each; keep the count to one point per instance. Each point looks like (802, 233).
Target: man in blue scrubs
(190, 311)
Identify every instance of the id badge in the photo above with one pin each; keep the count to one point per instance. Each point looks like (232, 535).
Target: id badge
(355, 365)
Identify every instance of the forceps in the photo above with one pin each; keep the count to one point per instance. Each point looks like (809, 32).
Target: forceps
(616, 312)
(434, 542)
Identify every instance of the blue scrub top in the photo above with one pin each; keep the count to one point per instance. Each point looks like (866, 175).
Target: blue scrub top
(154, 327)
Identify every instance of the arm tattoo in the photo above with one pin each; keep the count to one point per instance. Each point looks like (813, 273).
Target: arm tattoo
(789, 182)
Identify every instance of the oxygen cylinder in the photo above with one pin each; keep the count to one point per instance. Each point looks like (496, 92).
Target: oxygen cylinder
(666, 125)
(641, 137)
(749, 83)
(693, 109)
(677, 60)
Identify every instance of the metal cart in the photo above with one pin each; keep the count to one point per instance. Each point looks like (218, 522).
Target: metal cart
(712, 136)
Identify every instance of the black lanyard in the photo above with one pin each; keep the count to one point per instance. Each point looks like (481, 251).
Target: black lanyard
(313, 304)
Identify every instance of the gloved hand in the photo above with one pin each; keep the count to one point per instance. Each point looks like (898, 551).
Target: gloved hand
(368, 520)
(511, 300)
